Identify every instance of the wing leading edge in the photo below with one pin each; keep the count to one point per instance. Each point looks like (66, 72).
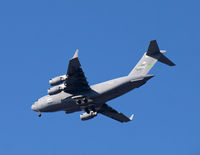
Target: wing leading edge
(112, 113)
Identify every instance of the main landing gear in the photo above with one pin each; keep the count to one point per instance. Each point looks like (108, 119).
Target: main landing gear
(89, 109)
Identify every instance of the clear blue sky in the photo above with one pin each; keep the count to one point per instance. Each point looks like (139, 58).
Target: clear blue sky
(38, 38)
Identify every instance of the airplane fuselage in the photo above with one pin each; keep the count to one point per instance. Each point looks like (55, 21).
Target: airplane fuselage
(99, 94)
(71, 92)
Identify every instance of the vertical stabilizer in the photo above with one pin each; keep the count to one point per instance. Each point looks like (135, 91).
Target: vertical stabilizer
(149, 59)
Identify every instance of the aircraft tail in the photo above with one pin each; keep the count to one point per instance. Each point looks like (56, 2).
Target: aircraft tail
(148, 60)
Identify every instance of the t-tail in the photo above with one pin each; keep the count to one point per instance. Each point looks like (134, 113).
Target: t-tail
(148, 60)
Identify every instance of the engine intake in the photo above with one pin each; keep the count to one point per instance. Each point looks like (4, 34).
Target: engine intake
(87, 116)
(57, 80)
(56, 89)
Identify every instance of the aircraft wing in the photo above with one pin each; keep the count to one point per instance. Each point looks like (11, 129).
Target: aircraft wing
(76, 80)
(112, 113)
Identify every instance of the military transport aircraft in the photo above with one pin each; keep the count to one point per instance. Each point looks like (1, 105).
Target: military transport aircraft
(71, 92)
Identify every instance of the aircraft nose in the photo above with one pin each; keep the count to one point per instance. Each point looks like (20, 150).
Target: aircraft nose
(33, 107)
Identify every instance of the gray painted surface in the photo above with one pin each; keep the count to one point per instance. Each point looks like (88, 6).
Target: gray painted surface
(75, 94)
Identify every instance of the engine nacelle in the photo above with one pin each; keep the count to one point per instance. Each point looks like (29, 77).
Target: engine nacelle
(56, 89)
(57, 80)
(86, 116)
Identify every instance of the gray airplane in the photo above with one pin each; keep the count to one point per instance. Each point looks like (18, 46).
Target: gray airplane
(71, 92)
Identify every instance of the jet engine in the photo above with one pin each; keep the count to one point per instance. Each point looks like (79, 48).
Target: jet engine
(86, 116)
(57, 80)
(56, 89)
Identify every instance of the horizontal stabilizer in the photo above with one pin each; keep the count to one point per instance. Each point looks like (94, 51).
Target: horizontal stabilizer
(154, 51)
(142, 78)
(165, 60)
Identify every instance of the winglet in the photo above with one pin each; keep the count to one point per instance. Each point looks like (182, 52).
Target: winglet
(163, 51)
(131, 118)
(76, 54)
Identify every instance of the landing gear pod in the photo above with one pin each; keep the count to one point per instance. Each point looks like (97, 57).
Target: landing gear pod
(86, 116)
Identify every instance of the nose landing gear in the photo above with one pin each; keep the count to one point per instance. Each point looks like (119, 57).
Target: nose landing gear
(39, 114)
